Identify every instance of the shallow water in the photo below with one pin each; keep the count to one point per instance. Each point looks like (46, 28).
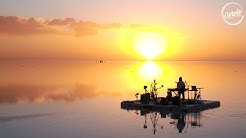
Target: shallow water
(82, 99)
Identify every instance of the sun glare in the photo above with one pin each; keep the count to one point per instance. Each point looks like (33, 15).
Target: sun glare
(149, 71)
(150, 45)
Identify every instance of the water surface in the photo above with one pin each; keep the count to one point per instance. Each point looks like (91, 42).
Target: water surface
(82, 99)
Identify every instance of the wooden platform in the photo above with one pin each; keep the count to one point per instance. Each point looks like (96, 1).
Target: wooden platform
(151, 106)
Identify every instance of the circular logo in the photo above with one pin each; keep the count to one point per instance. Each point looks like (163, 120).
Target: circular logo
(232, 13)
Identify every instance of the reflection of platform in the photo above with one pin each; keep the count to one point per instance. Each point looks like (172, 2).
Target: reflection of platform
(196, 107)
(182, 121)
(183, 117)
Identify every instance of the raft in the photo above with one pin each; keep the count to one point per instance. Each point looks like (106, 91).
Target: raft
(186, 107)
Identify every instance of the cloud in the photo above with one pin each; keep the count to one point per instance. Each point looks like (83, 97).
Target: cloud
(15, 25)
(85, 28)
(21, 93)
(112, 25)
(60, 22)
(21, 26)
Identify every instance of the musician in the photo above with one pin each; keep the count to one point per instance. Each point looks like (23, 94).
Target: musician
(181, 88)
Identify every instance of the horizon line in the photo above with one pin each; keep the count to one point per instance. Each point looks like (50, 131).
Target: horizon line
(76, 60)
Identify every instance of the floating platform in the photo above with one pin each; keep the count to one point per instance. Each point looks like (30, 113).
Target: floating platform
(152, 106)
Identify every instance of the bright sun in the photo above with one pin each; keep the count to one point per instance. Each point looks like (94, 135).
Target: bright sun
(150, 45)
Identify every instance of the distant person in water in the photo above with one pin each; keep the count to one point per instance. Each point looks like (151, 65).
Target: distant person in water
(181, 87)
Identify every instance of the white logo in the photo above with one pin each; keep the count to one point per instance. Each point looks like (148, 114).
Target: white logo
(232, 13)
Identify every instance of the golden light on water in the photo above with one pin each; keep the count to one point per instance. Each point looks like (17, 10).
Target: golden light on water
(149, 45)
(149, 71)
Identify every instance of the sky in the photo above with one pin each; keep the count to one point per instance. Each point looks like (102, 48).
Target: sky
(119, 30)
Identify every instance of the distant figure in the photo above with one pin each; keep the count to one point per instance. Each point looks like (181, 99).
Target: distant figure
(181, 88)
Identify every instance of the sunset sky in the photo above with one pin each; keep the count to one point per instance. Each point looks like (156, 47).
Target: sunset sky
(119, 30)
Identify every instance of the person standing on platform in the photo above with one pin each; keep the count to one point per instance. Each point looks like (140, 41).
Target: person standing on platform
(181, 88)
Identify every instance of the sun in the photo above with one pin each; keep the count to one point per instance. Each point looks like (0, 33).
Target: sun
(149, 45)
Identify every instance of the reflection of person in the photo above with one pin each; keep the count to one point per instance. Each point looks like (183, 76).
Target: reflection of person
(181, 87)
(181, 123)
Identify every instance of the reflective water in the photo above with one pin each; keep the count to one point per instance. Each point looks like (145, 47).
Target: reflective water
(82, 99)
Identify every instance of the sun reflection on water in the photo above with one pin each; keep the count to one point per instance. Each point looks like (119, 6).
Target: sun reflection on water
(149, 71)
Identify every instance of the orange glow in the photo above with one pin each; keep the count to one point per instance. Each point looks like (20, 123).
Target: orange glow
(149, 71)
(74, 80)
(149, 45)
